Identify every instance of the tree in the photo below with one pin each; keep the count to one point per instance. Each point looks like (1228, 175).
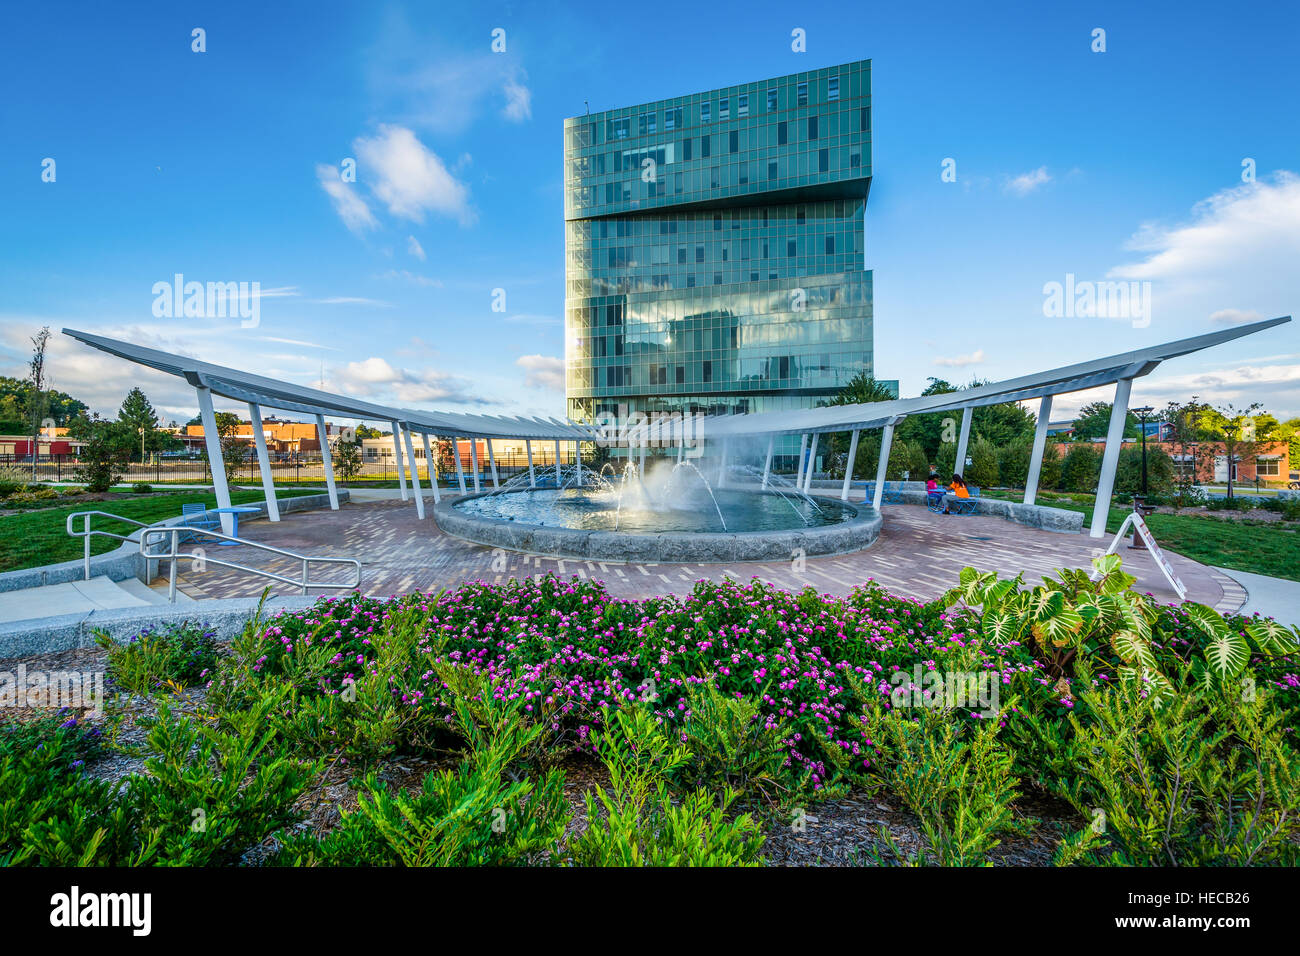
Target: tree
(40, 341)
(233, 451)
(862, 389)
(139, 423)
(1093, 422)
(365, 431)
(1081, 469)
(1189, 442)
(103, 455)
(982, 472)
(346, 457)
(1160, 471)
(1238, 430)
(446, 457)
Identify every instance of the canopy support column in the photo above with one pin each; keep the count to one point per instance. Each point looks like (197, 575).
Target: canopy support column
(959, 463)
(577, 463)
(886, 440)
(812, 461)
(415, 473)
(264, 462)
(557, 463)
(798, 472)
(327, 462)
(1110, 458)
(460, 465)
(848, 465)
(433, 471)
(397, 451)
(1040, 445)
(216, 463)
(473, 458)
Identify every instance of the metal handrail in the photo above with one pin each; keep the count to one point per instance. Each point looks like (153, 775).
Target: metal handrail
(175, 555)
(86, 533)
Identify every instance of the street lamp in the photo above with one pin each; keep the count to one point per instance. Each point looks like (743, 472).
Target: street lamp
(1142, 414)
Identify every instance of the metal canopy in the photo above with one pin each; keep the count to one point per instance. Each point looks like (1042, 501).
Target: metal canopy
(270, 393)
(1069, 378)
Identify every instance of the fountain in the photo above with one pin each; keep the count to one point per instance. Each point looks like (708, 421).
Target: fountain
(670, 512)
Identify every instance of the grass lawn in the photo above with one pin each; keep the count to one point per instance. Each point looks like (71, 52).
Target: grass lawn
(40, 537)
(1255, 546)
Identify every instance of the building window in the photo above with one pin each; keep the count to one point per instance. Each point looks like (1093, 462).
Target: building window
(802, 90)
(781, 134)
(823, 160)
(812, 127)
(686, 150)
(707, 371)
(771, 100)
(717, 221)
(771, 170)
(833, 89)
(864, 118)
(704, 146)
(789, 248)
(699, 253)
(724, 108)
(855, 160)
(706, 112)
(681, 255)
(717, 278)
(734, 140)
(681, 374)
(648, 122)
(619, 129)
(672, 119)
(830, 245)
(1267, 468)
(742, 104)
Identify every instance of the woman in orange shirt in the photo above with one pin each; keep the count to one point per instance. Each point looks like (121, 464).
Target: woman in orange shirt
(958, 487)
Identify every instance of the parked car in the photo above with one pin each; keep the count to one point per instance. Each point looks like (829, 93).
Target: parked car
(1294, 482)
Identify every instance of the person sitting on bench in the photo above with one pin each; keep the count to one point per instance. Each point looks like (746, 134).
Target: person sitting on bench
(958, 488)
(932, 483)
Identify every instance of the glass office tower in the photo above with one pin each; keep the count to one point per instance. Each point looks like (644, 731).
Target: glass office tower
(714, 248)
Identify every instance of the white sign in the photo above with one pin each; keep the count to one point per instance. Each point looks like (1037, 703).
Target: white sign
(1134, 520)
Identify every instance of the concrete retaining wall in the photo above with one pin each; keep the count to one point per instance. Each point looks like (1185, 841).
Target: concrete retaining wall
(126, 561)
(1031, 516)
(665, 547)
(69, 631)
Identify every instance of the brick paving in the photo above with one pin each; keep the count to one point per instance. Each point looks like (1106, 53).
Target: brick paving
(918, 553)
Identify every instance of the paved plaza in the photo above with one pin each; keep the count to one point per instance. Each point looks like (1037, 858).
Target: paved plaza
(918, 553)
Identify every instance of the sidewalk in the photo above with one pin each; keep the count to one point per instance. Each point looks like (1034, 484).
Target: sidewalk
(1272, 597)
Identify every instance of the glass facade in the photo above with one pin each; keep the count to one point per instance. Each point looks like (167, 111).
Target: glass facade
(714, 248)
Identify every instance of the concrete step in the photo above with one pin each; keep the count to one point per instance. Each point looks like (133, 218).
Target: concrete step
(153, 593)
(73, 597)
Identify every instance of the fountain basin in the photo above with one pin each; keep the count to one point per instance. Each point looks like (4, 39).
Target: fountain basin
(856, 527)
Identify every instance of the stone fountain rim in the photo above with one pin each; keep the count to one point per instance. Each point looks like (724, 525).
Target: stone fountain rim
(661, 547)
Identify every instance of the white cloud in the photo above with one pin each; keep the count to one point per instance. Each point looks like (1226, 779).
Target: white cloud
(414, 248)
(351, 208)
(542, 371)
(961, 361)
(519, 102)
(1026, 183)
(411, 277)
(1234, 316)
(409, 178)
(353, 300)
(375, 376)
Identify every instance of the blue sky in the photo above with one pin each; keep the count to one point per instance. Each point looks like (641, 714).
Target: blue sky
(221, 165)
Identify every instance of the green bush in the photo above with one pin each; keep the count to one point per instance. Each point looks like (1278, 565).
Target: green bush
(733, 746)
(956, 778)
(636, 822)
(141, 488)
(1081, 469)
(1013, 463)
(13, 479)
(1160, 471)
(181, 654)
(982, 472)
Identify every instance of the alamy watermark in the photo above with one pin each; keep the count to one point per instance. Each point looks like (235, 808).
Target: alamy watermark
(978, 690)
(1110, 299)
(211, 300)
(54, 690)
